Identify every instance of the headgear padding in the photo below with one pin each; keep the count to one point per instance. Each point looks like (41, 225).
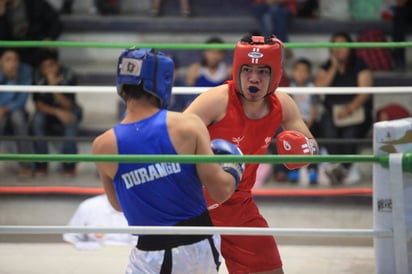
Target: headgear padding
(259, 50)
(153, 69)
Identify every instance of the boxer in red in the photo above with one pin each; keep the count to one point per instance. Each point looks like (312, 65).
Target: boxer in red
(247, 111)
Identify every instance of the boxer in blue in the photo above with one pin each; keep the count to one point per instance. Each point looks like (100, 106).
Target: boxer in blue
(163, 194)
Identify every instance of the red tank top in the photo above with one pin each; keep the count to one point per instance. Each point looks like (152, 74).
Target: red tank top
(252, 136)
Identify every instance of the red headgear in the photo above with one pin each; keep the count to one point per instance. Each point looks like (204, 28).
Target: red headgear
(259, 50)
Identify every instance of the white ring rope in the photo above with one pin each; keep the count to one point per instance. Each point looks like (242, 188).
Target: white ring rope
(198, 230)
(196, 90)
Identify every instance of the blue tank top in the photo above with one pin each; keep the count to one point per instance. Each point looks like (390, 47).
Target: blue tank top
(205, 79)
(155, 194)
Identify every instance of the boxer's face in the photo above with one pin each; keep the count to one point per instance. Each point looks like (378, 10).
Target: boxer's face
(254, 80)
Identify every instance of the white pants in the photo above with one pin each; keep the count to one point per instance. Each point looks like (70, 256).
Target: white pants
(196, 258)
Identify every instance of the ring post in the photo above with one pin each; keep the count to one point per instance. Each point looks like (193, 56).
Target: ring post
(392, 196)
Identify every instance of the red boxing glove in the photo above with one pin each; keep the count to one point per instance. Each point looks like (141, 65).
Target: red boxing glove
(290, 142)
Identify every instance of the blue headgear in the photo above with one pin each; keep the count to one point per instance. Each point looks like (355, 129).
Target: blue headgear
(152, 68)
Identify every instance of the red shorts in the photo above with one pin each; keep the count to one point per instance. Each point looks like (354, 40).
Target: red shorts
(244, 254)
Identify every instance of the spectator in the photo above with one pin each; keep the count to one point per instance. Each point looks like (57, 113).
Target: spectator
(177, 101)
(97, 211)
(13, 104)
(402, 20)
(346, 116)
(308, 105)
(274, 17)
(307, 8)
(211, 71)
(29, 20)
(67, 7)
(55, 113)
(184, 8)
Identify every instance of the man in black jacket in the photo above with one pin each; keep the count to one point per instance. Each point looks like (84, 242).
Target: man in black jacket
(29, 20)
(401, 25)
(56, 113)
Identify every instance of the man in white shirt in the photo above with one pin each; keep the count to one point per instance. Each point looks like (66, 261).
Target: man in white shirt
(97, 211)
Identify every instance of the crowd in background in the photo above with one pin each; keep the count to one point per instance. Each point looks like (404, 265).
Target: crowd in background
(56, 113)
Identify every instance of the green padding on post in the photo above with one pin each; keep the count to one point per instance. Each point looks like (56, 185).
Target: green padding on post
(407, 161)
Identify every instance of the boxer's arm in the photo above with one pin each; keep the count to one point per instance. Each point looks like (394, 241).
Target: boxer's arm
(219, 183)
(105, 144)
(297, 138)
(292, 119)
(211, 105)
(223, 147)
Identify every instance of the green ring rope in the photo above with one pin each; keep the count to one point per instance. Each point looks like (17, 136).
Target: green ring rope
(192, 46)
(273, 159)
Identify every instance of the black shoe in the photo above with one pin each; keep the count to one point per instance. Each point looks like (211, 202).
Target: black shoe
(186, 13)
(69, 173)
(25, 173)
(336, 173)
